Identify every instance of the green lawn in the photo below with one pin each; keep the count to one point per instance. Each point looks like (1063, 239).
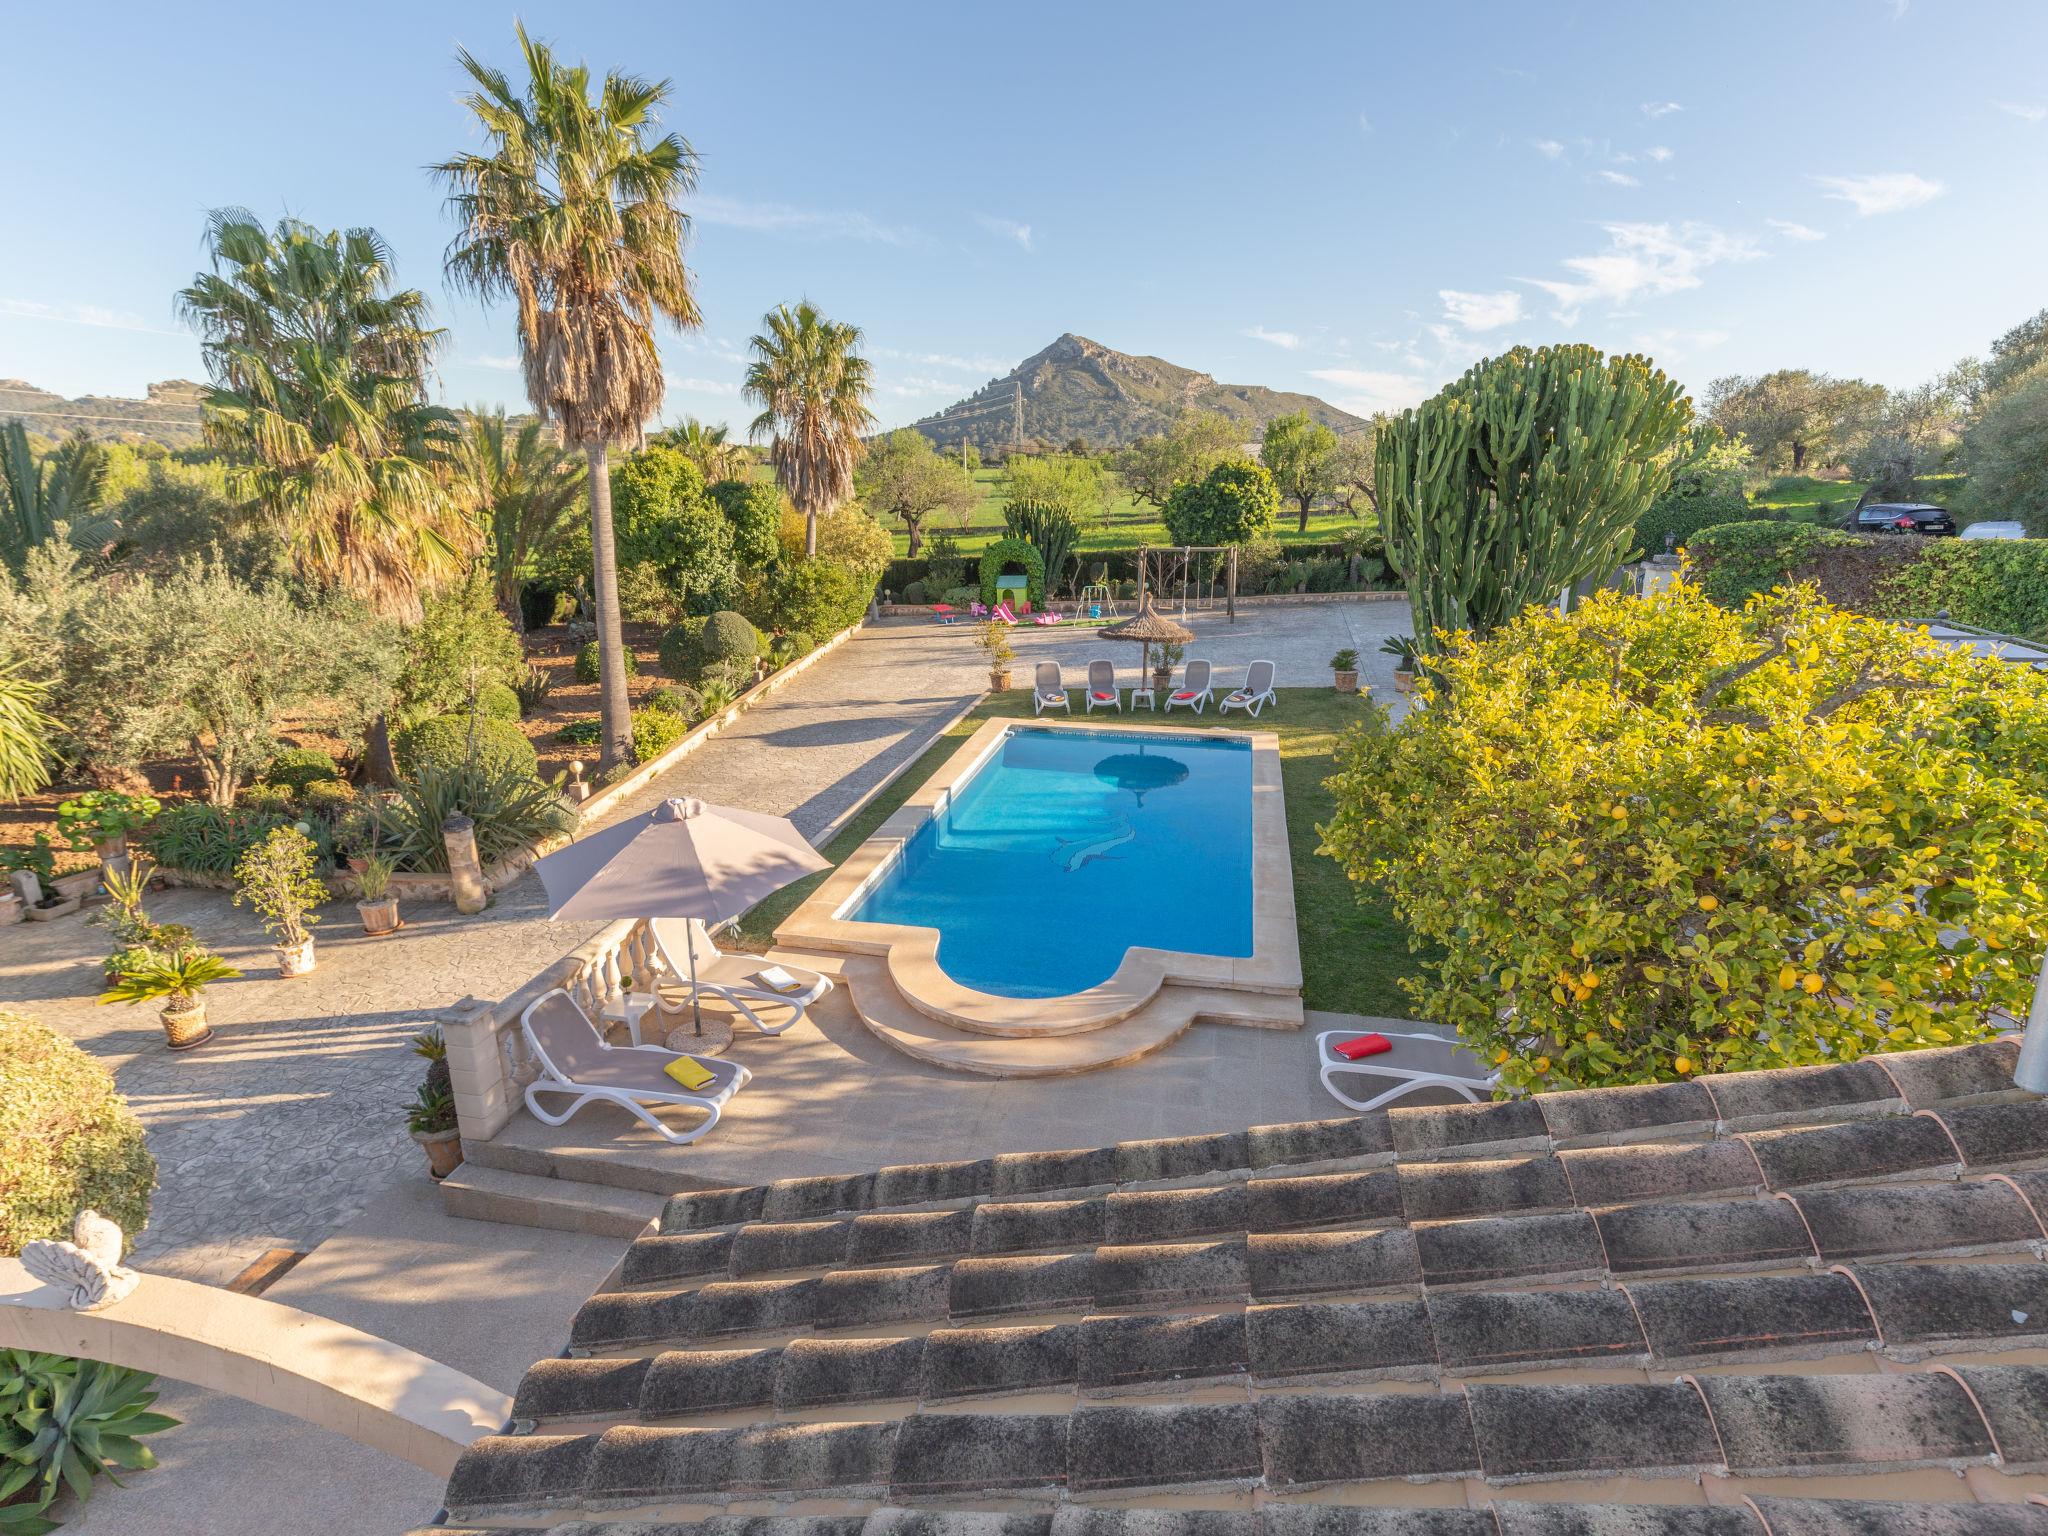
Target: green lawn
(1125, 522)
(1353, 951)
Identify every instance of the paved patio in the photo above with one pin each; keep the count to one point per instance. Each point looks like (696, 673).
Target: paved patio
(289, 1124)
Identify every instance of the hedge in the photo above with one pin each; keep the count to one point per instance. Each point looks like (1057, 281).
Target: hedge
(1012, 552)
(1999, 584)
(67, 1139)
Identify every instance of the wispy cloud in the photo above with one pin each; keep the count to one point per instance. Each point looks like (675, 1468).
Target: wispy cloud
(1549, 149)
(1655, 109)
(1481, 311)
(95, 315)
(803, 223)
(988, 365)
(1643, 261)
(695, 386)
(1009, 229)
(1365, 391)
(1675, 346)
(2025, 111)
(1364, 123)
(1892, 192)
(499, 362)
(1659, 152)
(1286, 339)
(1792, 230)
(1618, 179)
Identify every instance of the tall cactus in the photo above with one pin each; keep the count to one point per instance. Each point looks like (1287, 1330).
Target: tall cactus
(1525, 475)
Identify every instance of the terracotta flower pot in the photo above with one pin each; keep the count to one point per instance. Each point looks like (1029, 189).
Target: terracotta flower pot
(380, 916)
(295, 959)
(1347, 682)
(998, 678)
(443, 1149)
(10, 908)
(185, 1026)
(1162, 679)
(1404, 681)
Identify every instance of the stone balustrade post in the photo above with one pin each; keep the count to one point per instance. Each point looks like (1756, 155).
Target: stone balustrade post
(465, 869)
(485, 1095)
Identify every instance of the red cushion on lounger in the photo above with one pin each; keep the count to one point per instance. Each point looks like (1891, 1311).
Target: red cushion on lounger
(1362, 1045)
(1187, 693)
(1103, 698)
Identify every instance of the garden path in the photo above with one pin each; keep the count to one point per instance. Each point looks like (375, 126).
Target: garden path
(288, 1123)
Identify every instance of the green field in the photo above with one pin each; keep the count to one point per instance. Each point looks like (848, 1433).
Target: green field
(1354, 952)
(1840, 496)
(1124, 524)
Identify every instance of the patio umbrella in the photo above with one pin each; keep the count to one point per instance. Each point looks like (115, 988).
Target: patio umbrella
(1149, 627)
(1140, 772)
(682, 859)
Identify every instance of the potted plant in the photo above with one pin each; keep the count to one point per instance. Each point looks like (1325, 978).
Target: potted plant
(430, 1117)
(378, 908)
(1344, 665)
(277, 878)
(178, 979)
(995, 642)
(101, 819)
(136, 932)
(32, 868)
(1170, 656)
(1402, 649)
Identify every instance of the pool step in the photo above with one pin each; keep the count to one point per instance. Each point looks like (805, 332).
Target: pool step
(1165, 1018)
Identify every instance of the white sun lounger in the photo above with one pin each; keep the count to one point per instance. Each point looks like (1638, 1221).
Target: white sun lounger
(1102, 690)
(573, 1060)
(1194, 690)
(1416, 1061)
(1050, 690)
(732, 978)
(1256, 692)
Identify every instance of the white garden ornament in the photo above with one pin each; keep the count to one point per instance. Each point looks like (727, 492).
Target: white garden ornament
(89, 1268)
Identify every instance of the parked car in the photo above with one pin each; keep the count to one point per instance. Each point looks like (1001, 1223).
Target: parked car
(1995, 530)
(1902, 517)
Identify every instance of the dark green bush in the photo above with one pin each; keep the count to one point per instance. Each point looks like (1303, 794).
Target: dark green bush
(754, 509)
(795, 645)
(728, 636)
(1735, 561)
(511, 810)
(67, 1139)
(914, 593)
(1682, 517)
(1999, 584)
(296, 767)
(446, 742)
(497, 701)
(327, 797)
(1234, 503)
(697, 643)
(206, 839)
(587, 663)
(655, 731)
(677, 699)
(1007, 552)
(582, 733)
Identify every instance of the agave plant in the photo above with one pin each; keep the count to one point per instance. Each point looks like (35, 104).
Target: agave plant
(64, 1423)
(510, 808)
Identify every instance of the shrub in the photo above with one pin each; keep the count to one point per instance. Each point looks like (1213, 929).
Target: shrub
(63, 1424)
(960, 597)
(681, 652)
(207, 839)
(277, 879)
(461, 644)
(327, 797)
(1999, 584)
(677, 699)
(1660, 837)
(2006, 448)
(754, 511)
(532, 688)
(914, 594)
(1736, 561)
(67, 1139)
(498, 701)
(511, 810)
(729, 637)
(655, 731)
(450, 739)
(1682, 517)
(275, 799)
(296, 767)
(1235, 503)
(794, 646)
(1002, 552)
(1328, 575)
(100, 814)
(582, 733)
(819, 597)
(589, 666)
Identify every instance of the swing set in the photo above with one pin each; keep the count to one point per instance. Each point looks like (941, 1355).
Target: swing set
(1176, 577)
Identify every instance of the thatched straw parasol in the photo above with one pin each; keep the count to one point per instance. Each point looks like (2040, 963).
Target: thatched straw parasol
(1149, 627)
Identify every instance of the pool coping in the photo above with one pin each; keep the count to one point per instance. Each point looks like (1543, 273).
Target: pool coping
(911, 951)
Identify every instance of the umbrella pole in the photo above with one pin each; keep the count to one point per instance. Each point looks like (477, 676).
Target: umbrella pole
(696, 1006)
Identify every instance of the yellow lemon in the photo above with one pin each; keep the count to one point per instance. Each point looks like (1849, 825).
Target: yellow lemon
(1578, 859)
(1832, 815)
(1886, 987)
(1684, 1064)
(1788, 976)
(1500, 1056)
(1709, 903)
(1542, 1063)
(1800, 813)
(1814, 981)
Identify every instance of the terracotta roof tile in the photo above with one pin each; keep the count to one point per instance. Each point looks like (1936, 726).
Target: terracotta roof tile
(1519, 1519)
(1551, 1248)
(1493, 1331)
(1181, 1157)
(1354, 1520)
(1774, 1426)
(507, 1472)
(1750, 1317)
(896, 1236)
(1702, 1235)
(1958, 1074)
(572, 1389)
(1353, 1139)
(1997, 1135)
(1436, 1132)
(1288, 1264)
(1311, 1442)
(972, 1362)
(817, 1372)
(928, 1183)
(1860, 1150)
(684, 1256)
(1165, 1273)
(1277, 1204)
(765, 1247)
(1975, 1216)
(1125, 1352)
(1165, 1215)
(1051, 1225)
(1340, 1341)
(1483, 1187)
(709, 1381)
(1669, 1111)
(1924, 1308)
(2013, 1400)
(825, 1194)
(696, 1209)
(1528, 1434)
(942, 1454)
(1870, 1517)
(1624, 1175)
(991, 1287)
(1128, 1450)
(1033, 1173)
(1844, 1090)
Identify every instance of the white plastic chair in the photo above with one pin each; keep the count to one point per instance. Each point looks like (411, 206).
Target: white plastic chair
(1102, 689)
(573, 1060)
(1416, 1061)
(731, 978)
(1194, 690)
(1050, 690)
(1256, 693)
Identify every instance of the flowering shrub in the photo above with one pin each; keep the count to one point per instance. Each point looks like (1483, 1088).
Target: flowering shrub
(1659, 837)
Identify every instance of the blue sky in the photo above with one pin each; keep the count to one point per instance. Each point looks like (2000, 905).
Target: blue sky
(1352, 199)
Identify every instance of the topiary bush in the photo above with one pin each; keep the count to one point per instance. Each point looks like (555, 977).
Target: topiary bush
(678, 699)
(728, 636)
(67, 1139)
(1016, 552)
(296, 767)
(1681, 518)
(681, 652)
(1235, 503)
(445, 743)
(497, 701)
(1660, 837)
(655, 731)
(915, 594)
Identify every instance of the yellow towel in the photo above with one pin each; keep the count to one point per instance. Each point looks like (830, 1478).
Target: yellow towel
(690, 1072)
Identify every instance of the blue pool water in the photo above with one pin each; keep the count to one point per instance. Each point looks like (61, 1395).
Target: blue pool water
(1066, 848)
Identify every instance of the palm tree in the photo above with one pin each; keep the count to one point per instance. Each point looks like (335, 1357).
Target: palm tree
(319, 401)
(525, 487)
(64, 488)
(710, 448)
(572, 212)
(813, 389)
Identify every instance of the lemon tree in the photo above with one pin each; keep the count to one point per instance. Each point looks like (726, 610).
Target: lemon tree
(1659, 837)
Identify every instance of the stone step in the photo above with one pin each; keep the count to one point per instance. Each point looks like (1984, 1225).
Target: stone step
(883, 1010)
(477, 1192)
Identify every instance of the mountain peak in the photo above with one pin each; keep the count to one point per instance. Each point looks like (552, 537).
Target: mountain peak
(1077, 387)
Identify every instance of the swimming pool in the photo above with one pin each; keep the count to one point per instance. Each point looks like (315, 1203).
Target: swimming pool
(1064, 848)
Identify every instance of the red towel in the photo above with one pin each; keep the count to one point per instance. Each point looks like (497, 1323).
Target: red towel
(1362, 1045)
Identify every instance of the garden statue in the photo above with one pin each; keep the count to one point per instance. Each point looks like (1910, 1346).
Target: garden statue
(89, 1267)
